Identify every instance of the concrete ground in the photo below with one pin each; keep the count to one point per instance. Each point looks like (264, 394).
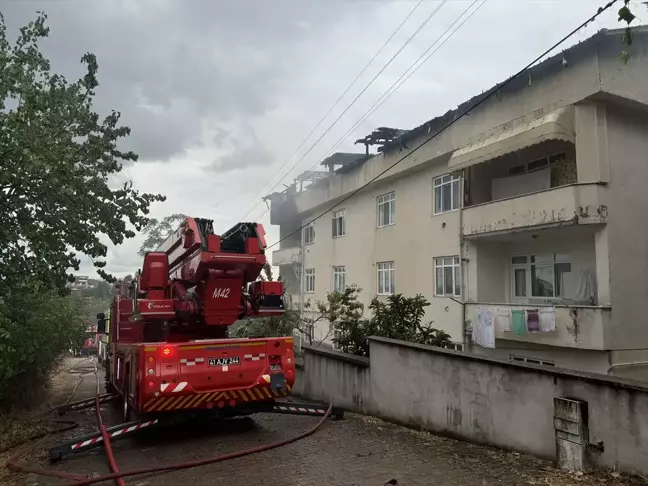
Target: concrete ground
(356, 451)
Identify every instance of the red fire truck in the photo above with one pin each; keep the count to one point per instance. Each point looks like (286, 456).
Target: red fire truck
(169, 346)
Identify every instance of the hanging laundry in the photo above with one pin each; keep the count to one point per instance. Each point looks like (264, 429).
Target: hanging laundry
(533, 320)
(519, 325)
(548, 319)
(484, 331)
(503, 320)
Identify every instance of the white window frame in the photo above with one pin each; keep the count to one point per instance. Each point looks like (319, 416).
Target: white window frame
(386, 202)
(443, 263)
(551, 159)
(524, 359)
(309, 234)
(527, 266)
(309, 281)
(339, 223)
(446, 182)
(386, 285)
(339, 278)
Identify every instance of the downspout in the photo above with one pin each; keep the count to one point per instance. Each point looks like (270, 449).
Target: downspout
(302, 246)
(464, 268)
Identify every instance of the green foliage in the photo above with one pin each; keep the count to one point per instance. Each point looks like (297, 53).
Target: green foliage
(157, 231)
(626, 15)
(57, 156)
(37, 325)
(398, 317)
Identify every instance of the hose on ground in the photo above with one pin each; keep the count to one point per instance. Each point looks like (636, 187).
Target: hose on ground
(80, 480)
(209, 460)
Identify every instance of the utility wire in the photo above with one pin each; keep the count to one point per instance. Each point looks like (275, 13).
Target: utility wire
(492, 92)
(364, 69)
(385, 96)
(425, 22)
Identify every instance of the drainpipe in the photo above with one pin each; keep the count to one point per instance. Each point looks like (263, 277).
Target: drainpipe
(302, 246)
(464, 269)
(631, 363)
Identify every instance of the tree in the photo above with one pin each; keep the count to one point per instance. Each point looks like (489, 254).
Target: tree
(57, 158)
(397, 318)
(157, 231)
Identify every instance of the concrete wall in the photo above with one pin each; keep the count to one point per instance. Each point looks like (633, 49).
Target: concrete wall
(481, 399)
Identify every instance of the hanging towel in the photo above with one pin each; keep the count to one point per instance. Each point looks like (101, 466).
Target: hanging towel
(503, 320)
(533, 320)
(548, 319)
(483, 330)
(519, 322)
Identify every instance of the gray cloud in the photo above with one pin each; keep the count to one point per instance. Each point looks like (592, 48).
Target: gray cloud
(171, 66)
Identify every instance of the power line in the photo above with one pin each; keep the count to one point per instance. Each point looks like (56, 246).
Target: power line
(364, 69)
(388, 92)
(492, 92)
(425, 22)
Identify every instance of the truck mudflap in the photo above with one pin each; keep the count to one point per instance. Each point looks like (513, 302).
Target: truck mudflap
(214, 399)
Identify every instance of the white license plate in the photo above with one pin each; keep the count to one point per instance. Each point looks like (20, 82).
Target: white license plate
(234, 360)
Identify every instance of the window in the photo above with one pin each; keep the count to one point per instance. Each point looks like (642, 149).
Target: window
(455, 346)
(446, 194)
(339, 277)
(387, 209)
(339, 223)
(447, 273)
(310, 281)
(537, 164)
(541, 274)
(522, 359)
(309, 234)
(386, 278)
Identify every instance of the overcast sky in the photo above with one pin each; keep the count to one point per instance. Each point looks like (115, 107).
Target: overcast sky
(219, 93)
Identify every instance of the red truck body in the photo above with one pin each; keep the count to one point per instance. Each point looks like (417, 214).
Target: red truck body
(170, 348)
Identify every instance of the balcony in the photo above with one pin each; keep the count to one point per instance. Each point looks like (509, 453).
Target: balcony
(286, 256)
(566, 205)
(580, 327)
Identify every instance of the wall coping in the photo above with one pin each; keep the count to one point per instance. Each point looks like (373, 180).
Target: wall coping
(611, 381)
(349, 358)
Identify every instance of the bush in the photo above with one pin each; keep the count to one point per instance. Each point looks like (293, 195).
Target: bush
(37, 325)
(398, 317)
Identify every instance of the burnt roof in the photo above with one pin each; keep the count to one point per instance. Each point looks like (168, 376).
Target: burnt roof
(544, 69)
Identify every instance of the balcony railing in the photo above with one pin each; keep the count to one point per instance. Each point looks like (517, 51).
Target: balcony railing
(572, 204)
(286, 256)
(579, 327)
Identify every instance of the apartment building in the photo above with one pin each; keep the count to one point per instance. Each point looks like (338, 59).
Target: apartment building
(533, 201)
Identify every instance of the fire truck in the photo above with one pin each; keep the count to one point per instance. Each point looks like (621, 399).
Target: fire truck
(169, 348)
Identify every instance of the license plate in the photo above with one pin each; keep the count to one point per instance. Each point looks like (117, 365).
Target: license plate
(234, 360)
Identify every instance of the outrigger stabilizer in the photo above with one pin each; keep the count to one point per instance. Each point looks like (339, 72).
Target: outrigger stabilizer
(81, 444)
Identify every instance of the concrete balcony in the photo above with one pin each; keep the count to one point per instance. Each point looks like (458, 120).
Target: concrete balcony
(286, 256)
(576, 327)
(566, 205)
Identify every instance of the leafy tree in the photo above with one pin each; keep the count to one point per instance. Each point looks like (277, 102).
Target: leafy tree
(398, 318)
(37, 324)
(157, 231)
(57, 157)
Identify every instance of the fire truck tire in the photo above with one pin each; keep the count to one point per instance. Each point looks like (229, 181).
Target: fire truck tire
(128, 414)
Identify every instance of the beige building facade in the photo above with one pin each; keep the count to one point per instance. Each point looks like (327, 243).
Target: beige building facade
(535, 200)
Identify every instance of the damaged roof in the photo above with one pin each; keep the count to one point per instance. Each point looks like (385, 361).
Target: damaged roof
(542, 70)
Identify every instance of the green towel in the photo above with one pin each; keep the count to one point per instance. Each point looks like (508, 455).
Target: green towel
(519, 322)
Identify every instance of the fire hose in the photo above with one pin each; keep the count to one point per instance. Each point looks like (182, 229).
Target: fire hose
(80, 480)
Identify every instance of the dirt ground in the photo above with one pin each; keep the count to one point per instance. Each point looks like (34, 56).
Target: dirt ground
(355, 451)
